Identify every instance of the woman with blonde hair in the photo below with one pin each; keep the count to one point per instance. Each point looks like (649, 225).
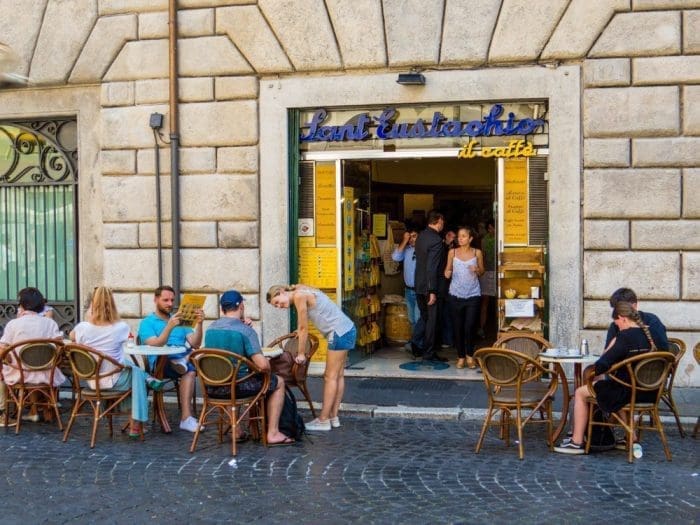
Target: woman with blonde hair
(632, 339)
(105, 332)
(313, 305)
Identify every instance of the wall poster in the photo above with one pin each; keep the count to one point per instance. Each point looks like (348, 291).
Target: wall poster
(515, 203)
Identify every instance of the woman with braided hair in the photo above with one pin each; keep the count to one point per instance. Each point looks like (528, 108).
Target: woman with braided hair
(633, 338)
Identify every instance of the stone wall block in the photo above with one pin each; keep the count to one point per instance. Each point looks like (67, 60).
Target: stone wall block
(291, 19)
(145, 160)
(652, 275)
(127, 127)
(634, 193)
(190, 22)
(232, 123)
(691, 276)
(248, 29)
(635, 111)
(238, 234)
(148, 234)
(579, 27)
(128, 304)
(111, 7)
(121, 235)
(153, 91)
(468, 44)
(22, 29)
(666, 70)
(117, 94)
(691, 193)
(606, 235)
(105, 41)
(691, 34)
(674, 314)
(154, 25)
(210, 55)
(210, 3)
(198, 89)
(197, 160)
(132, 198)
(130, 269)
(237, 160)
(606, 72)
(220, 269)
(232, 88)
(118, 162)
(66, 27)
(413, 30)
(653, 5)
(640, 34)
(139, 60)
(219, 197)
(666, 235)
(540, 18)
(606, 153)
(354, 50)
(691, 110)
(666, 152)
(198, 234)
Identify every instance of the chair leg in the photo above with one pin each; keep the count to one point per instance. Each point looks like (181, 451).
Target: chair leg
(304, 390)
(697, 427)
(76, 406)
(95, 421)
(672, 405)
(484, 428)
(662, 434)
(519, 422)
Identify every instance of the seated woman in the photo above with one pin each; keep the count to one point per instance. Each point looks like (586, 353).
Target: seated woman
(104, 332)
(633, 338)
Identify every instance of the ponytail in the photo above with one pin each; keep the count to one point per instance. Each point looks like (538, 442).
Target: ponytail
(624, 309)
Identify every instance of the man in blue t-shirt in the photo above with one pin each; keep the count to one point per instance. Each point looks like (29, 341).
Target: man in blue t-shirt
(656, 327)
(161, 328)
(232, 332)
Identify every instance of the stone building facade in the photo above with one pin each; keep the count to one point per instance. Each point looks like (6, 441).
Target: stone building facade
(622, 78)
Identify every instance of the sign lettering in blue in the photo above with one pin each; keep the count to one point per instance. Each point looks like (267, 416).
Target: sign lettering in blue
(387, 128)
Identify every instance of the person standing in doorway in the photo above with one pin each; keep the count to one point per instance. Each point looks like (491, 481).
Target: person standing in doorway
(313, 305)
(464, 265)
(429, 251)
(406, 253)
(488, 280)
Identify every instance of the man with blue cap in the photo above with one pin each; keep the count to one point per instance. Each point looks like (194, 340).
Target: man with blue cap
(218, 335)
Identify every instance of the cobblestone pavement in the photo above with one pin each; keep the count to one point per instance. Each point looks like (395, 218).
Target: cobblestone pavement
(373, 470)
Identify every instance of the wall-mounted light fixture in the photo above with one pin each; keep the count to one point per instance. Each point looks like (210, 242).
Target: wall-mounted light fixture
(414, 78)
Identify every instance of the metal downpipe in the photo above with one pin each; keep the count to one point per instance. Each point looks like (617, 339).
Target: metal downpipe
(174, 149)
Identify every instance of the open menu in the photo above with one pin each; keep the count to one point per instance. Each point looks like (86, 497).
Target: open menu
(188, 308)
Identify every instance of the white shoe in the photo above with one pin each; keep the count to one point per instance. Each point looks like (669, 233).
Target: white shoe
(33, 418)
(335, 422)
(179, 365)
(318, 426)
(190, 424)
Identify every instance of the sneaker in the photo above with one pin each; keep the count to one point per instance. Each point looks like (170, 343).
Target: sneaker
(33, 418)
(318, 426)
(179, 365)
(335, 422)
(190, 424)
(569, 447)
(621, 444)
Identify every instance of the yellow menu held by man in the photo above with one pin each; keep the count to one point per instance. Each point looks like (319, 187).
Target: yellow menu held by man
(188, 308)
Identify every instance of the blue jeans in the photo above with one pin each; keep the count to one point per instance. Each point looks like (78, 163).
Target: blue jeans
(411, 306)
(343, 342)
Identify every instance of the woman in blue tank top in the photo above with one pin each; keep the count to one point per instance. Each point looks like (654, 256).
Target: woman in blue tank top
(313, 305)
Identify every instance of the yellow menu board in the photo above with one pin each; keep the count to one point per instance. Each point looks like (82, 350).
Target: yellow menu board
(515, 203)
(325, 204)
(318, 267)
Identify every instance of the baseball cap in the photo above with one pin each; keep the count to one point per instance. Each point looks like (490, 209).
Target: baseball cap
(230, 299)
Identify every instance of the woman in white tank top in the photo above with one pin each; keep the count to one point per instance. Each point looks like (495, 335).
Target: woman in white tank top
(313, 305)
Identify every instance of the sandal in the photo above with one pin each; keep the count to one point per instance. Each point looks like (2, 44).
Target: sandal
(286, 442)
(135, 431)
(156, 384)
(460, 362)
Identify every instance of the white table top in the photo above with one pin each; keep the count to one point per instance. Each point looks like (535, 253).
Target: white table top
(559, 356)
(153, 350)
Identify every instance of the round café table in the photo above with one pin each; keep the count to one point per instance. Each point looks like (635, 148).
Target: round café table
(558, 357)
(158, 372)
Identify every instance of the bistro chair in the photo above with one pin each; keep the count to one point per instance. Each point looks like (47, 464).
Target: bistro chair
(93, 370)
(648, 372)
(516, 392)
(219, 371)
(289, 344)
(677, 348)
(32, 359)
(527, 343)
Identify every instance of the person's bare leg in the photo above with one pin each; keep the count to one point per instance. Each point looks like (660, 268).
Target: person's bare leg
(334, 363)
(275, 401)
(580, 414)
(186, 390)
(341, 385)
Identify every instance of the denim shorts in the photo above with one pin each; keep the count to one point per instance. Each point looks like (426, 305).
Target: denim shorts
(343, 342)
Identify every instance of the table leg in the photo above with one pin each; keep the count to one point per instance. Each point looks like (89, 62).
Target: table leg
(158, 402)
(565, 402)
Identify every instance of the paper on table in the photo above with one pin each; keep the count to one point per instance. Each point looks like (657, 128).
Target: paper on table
(188, 308)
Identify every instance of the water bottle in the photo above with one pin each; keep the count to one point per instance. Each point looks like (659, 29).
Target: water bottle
(130, 340)
(584, 347)
(637, 451)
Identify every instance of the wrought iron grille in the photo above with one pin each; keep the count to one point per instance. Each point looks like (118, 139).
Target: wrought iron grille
(38, 210)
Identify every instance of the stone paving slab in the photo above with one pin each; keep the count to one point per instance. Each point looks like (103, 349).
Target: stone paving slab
(374, 470)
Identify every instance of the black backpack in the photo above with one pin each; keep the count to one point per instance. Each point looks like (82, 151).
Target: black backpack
(291, 423)
(602, 438)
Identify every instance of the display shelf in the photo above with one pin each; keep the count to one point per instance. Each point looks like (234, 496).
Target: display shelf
(522, 271)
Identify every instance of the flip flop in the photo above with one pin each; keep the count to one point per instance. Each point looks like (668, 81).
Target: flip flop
(287, 441)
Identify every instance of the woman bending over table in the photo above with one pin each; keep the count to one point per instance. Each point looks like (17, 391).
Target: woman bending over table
(313, 305)
(106, 333)
(611, 396)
